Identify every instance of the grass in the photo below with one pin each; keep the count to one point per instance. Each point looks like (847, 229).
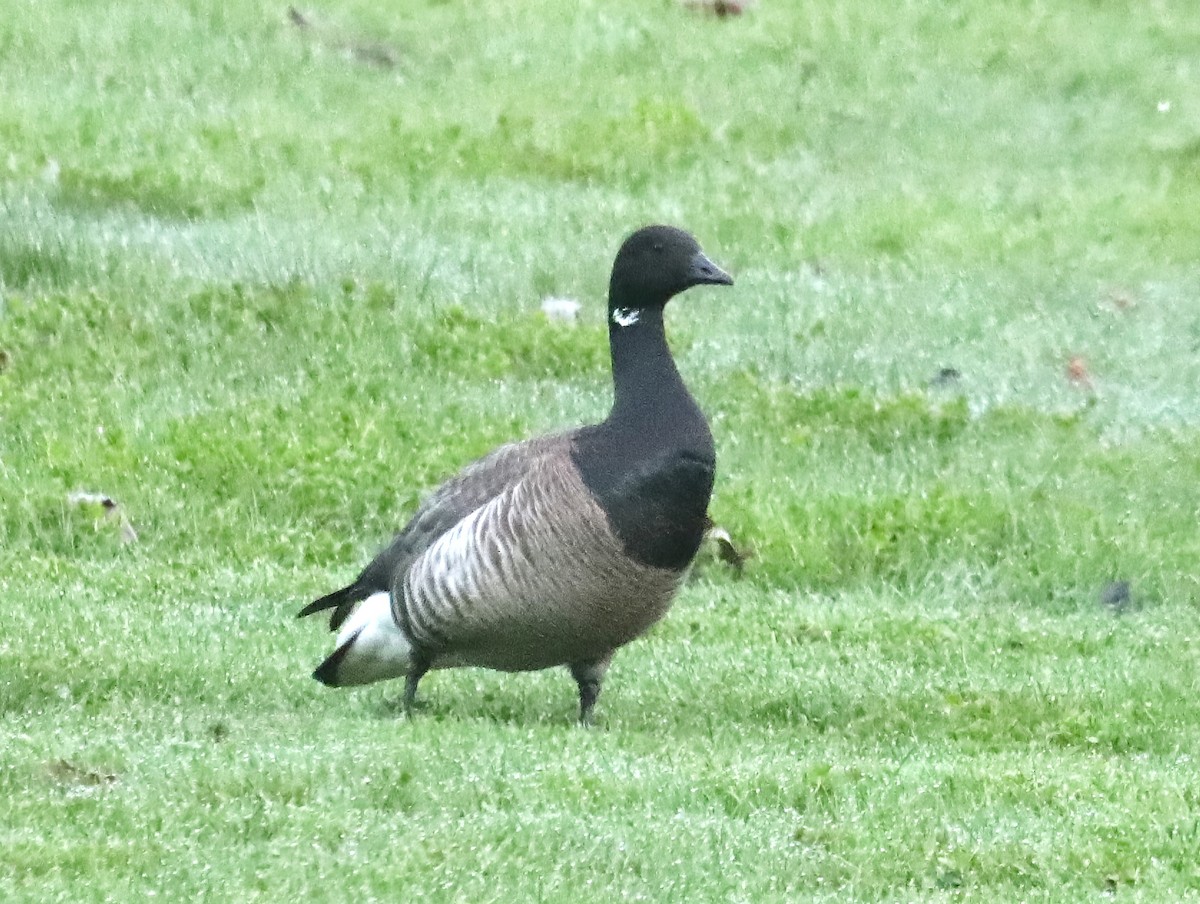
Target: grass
(265, 285)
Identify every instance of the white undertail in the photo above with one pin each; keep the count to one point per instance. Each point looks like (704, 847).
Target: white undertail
(378, 649)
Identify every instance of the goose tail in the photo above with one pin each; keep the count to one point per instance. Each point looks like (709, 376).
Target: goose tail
(371, 647)
(342, 602)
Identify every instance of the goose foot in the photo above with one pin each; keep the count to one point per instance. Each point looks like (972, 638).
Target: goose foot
(589, 675)
(409, 702)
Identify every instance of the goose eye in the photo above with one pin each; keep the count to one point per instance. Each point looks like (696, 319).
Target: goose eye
(658, 247)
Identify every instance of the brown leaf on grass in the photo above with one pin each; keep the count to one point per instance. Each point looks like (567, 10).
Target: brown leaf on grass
(1121, 299)
(1079, 374)
(5, 360)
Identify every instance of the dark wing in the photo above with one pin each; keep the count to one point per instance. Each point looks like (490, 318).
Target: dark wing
(535, 577)
(472, 487)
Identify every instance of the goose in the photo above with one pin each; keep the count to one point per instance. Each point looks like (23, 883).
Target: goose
(560, 549)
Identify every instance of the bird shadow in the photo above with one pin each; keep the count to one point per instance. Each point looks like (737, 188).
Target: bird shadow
(514, 712)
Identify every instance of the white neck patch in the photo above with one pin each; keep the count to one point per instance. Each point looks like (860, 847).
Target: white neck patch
(626, 316)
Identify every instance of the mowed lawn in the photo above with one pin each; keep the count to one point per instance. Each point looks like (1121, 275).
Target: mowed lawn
(266, 277)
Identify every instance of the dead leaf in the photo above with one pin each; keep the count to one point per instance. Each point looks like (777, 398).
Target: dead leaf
(1079, 374)
(1122, 299)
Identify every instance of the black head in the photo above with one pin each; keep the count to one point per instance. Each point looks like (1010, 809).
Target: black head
(657, 263)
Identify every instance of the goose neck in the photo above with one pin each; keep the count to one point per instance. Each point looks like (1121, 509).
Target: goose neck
(641, 359)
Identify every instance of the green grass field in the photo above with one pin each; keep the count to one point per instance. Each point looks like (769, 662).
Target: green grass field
(266, 283)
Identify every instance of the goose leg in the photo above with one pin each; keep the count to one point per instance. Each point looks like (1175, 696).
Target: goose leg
(589, 675)
(411, 680)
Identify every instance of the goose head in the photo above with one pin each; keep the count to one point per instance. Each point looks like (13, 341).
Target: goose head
(655, 264)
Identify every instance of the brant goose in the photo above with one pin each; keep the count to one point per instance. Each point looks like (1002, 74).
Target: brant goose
(560, 549)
